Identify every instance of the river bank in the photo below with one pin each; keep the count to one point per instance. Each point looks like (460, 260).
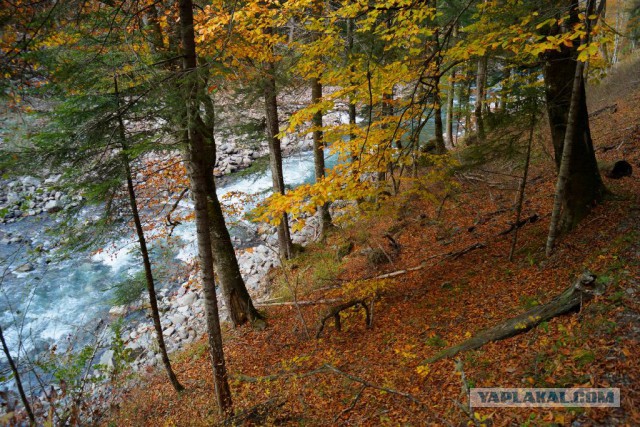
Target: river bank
(81, 285)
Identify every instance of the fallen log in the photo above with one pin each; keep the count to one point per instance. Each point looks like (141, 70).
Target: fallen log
(584, 288)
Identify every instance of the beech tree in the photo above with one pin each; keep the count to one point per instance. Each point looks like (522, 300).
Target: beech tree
(198, 138)
(584, 187)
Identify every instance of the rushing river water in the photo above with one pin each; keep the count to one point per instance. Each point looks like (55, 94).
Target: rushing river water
(58, 300)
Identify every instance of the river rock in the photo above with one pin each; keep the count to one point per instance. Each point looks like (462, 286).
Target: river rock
(118, 310)
(177, 319)
(53, 179)
(187, 299)
(24, 268)
(107, 359)
(29, 181)
(13, 198)
(53, 206)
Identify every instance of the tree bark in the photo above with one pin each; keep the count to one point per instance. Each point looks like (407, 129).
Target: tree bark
(142, 244)
(153, 32)
(437, 111)
(275, 156)
(352, 102)
(450, 101)
(523, 185)
(197, 168)
(481, 79)
(234, 291)
(466, 101)
(584, 186)
(318, 154)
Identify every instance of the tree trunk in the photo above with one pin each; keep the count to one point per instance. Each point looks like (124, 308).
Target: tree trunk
(504, 102)
(584, 187)
(466, 101)
(275, 156)
(318, 153)
(197, 167)
(449, 117)
(16, 377)
(153, 32)
(352, 102)
(142, 243)
(237, 298)
(481, 79)
(437, 111)
(523, 185)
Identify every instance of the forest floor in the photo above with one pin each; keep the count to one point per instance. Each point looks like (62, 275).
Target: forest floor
(283, 375)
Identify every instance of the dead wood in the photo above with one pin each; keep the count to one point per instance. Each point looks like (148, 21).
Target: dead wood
(458, 254)
(256, 414)
(366, 383)
(336, 310)
(514, 226)
(572, 298)
(613, 108)
(299, 303)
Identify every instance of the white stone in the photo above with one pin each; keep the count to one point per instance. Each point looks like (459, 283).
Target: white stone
(118, 310)
(187, 299)
(53, 206)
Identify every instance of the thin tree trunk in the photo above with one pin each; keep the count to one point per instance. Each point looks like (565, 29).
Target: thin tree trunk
(197, 169)
(523, 184)
(450, 101)
(275, 156)
(481, 78)
(437, 111)
(155, 41)
(318, 154)
(16, 377)
(153, 301)
(505, 93)
(352, 102)
(467, 102)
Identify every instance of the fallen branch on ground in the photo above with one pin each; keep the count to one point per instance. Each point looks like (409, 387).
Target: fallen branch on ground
(335, 313)
(256, 414)
(366, 383)
(613, 108)
(531, 219)
(458, 254)
(572, 298)
(301, 303)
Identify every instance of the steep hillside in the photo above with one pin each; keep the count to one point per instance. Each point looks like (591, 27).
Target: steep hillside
(453, 280)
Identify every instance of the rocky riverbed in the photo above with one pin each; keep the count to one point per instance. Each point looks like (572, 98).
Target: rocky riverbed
(182, 309)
